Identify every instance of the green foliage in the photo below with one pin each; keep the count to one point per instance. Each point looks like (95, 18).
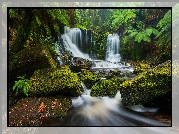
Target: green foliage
(136, 52)
(89, 78)
(106, 87)
(147, 86)
(143, 29)
(164, 36)
(39, 24)
(51, 81)
(143, 35)
(165, 23)
(122, 17)
(21, 86)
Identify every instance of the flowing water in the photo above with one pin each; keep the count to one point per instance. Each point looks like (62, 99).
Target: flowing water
(103, 111)
(113, 44)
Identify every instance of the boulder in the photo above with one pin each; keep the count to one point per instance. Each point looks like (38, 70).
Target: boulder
(78, 63)
(106, 87)
(147, 86)
(51, 81)
(32, 111)
(28, 60)
(89, 78)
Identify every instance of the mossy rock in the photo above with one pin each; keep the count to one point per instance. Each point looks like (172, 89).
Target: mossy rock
(106, 87)
(89, 78)
(147, 86)
(28, 60)
(141, 67)
(31, 111)
(50, 81)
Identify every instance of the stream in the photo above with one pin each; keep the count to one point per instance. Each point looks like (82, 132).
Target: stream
(105, 111)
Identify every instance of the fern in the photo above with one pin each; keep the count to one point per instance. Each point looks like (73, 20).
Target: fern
(21, 86)
(138, 37)
(164, 24)
(143, 35)
(133, 33)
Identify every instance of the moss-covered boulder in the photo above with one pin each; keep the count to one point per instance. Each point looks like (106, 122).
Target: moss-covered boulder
(50, 81)
(147, 86)
(28, 60)
(106, 87)
(89, 78)
(32, 111)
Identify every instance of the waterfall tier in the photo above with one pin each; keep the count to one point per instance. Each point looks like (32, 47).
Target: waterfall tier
(113, 44)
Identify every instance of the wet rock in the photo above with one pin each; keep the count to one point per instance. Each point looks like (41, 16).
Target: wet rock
(78, 63)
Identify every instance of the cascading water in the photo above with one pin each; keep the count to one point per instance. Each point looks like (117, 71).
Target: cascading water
(72, 41)
(105, 111)
(102, 111)
(75, 35)
(113, 58)
(113, 44)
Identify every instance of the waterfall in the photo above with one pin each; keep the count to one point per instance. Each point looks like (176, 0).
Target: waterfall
(75, 35)
(72, 40)
(113, 44)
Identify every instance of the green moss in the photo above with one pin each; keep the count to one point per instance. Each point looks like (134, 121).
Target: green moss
(49, 81)
(106, 87)
(31, 111)
(141, 67)
(89, 78)
(28, 60)
(147, 86)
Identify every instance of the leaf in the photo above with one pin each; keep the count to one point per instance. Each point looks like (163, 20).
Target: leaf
(139, 37)
(149, 31)
(133, 34)
(146, 38)
(155, 31)
(56, 28)
(38, 20)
